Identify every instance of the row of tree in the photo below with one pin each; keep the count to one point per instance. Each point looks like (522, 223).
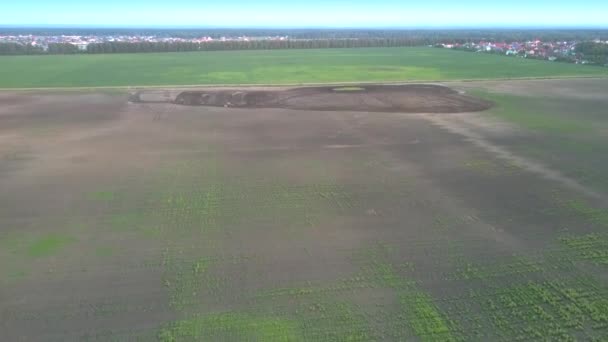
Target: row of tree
(123, 47)
(29, 49)
(143, 47)
(596, 53)
(62, 49)
(19, 49)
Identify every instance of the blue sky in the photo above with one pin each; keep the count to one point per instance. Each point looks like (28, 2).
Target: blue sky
(316, 13)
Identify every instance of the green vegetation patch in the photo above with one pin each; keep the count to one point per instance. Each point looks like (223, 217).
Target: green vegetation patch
(417, 313)
(425, 318)
(544, 300)
(184, 280)
(48, 245)
(230, 327)
(537, 114)
(326, 319)
(590, 247)
(517, 265)
(584, 210)
(549, 310)
(492, 167)
(105, 196)
(104, 251)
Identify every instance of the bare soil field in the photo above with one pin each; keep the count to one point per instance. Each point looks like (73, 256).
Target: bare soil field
(143, 221)
(409, 98)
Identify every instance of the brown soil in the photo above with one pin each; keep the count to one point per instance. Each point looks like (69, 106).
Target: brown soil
(411, 98)
(288, 212)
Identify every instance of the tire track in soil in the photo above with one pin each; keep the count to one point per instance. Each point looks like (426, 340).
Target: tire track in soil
(530, 165)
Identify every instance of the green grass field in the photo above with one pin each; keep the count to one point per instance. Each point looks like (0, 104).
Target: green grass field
(273, 67)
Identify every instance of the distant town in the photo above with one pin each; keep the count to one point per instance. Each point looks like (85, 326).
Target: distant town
(570, 47)
(550, 50)
(82, 42)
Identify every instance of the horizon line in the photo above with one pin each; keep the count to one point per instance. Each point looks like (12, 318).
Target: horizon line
(321, 27)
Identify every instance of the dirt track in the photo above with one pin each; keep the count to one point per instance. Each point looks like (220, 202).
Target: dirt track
(411, 98)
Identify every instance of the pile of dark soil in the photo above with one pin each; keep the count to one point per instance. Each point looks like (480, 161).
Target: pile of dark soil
(411, 98)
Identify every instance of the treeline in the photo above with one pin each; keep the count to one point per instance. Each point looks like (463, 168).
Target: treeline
(62, 49)
(123, 47)
(147, 47)
(19, 49)
(596, 53)
(29, 49)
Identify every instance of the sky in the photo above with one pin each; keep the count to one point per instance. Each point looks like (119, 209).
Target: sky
(309, 13)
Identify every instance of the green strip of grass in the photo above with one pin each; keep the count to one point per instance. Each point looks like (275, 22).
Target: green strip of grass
(274, 67)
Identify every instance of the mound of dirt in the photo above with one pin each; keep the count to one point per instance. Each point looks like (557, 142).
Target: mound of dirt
(411, 98)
